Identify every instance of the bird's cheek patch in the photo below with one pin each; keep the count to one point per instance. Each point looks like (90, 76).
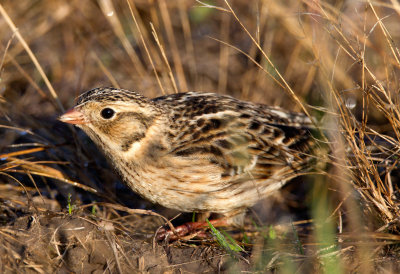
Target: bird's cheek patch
(128, 141)
(106, 128)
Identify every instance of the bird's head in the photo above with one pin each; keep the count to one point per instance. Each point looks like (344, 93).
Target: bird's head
(114, 119)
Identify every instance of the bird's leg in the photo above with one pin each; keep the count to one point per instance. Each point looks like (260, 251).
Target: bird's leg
(191, 227)
(202, 216)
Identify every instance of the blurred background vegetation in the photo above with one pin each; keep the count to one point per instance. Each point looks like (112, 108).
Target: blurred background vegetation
(336, 60)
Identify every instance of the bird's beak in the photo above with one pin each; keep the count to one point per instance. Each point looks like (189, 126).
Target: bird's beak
(73, 116)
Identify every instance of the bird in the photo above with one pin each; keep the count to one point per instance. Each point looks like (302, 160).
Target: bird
(196, 152)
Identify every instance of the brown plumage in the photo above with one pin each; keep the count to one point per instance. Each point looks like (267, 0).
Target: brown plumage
(196, 152)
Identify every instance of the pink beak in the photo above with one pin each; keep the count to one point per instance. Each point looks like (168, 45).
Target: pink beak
(73, 116)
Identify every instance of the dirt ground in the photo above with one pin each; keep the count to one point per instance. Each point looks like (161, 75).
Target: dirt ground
(48, 243)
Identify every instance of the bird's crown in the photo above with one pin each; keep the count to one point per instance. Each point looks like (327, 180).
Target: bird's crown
(107, 94)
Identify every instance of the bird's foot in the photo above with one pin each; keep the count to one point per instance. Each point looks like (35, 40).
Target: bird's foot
(189, 230)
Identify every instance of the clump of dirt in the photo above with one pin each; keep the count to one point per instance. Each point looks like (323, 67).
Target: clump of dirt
(47, 242)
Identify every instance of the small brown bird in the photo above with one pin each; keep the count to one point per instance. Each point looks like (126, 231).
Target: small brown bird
(196, 152)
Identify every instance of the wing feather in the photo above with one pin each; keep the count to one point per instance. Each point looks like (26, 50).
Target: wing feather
(239, 137)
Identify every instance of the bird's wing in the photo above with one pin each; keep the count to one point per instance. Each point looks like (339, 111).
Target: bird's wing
(241, 137)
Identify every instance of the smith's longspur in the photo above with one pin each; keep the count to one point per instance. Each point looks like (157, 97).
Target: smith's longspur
(196, 152)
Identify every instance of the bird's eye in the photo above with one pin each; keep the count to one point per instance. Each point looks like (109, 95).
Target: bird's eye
(107, 113)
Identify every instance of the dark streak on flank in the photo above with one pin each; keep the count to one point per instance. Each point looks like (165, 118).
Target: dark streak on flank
(196, 135)
(200, 122)
(191, 151)
(255, 125)
(216, 151)
(224, 144)
(216, 123)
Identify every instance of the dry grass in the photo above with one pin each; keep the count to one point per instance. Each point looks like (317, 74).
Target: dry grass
(337, 61)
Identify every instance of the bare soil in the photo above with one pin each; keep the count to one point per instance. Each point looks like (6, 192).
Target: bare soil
(50, 242)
